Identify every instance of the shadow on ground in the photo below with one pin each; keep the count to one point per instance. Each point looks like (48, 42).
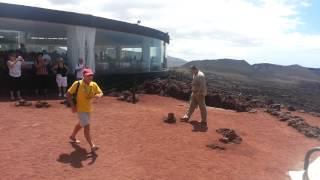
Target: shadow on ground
(76, 157)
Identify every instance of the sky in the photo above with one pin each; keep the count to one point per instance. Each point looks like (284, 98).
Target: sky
(281, 32)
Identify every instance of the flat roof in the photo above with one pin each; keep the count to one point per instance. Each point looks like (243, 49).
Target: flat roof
(71, 18)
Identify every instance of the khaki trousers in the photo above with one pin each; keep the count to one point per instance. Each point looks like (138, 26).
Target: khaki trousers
(195, 101)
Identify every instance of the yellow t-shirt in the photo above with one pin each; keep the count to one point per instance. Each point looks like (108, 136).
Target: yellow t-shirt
(85, 94)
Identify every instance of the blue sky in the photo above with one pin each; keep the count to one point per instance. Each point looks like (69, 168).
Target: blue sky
(310, 16)
(259, 31)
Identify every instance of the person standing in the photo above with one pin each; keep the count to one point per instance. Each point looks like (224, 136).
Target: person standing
(46, 57)
(85, 90)
(14, 66)
(199, 92)
(61, 71)
(79, 69)
(42, 74)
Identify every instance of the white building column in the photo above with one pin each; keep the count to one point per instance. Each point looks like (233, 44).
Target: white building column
(21, 39)
(76, 45)
(90, 42)
(81, 41)
(146, 54)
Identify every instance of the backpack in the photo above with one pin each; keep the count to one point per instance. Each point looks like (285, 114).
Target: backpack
(74, 96)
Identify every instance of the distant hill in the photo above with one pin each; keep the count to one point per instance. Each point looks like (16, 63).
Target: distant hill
(294, 72)
(223, 66)
(175, 62)
(315, 70)
(264, 71)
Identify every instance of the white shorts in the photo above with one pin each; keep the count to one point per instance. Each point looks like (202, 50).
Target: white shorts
(61, 81)
(84, 118)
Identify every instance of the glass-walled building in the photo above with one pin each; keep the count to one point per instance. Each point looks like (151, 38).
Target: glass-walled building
(107, 46)
(119, 52)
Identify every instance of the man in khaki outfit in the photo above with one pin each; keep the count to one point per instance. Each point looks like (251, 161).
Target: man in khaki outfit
(199, 92)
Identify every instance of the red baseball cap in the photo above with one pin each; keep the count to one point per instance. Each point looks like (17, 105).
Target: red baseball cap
(87, 72)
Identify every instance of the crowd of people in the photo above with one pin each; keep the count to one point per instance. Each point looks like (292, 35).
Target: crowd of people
(42, 67)
(79, 94)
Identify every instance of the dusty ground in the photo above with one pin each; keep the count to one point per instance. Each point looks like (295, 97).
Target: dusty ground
(136, 144)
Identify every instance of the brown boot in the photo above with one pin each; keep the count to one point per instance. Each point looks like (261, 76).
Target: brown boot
(203, 126)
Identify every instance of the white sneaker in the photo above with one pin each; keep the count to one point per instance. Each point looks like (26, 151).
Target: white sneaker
(60, 95)
(185, 118)
(65, 95)
(94, 148)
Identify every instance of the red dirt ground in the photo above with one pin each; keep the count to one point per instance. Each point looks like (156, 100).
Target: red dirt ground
(136, 144)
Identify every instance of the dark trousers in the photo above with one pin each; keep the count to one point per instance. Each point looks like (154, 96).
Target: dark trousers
(14, 83)
(42, 83)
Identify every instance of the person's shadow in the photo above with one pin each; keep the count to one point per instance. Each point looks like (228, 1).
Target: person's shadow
(76, 157)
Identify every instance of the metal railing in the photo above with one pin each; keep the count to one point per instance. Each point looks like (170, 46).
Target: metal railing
(307, 161)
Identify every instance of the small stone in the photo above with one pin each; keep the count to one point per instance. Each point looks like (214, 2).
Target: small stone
(253, 111)
(291, 108)
(216, 146)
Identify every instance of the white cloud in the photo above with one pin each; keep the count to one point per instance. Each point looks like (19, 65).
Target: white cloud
(62, 1)
(257, 30)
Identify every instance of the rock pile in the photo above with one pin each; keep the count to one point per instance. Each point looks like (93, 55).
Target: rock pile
(315, 114)
(128, 97)
(229, 136)
(295, 121)
(182, 90)
(291, 108)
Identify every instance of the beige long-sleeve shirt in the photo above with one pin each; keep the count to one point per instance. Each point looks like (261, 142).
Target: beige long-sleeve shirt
(199, 84)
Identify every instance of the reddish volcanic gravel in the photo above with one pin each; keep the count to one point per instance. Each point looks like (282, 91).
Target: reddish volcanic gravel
(136, 144)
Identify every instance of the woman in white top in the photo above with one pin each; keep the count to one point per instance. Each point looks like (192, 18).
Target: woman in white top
(79, 69)
(61, 71)
(14, 66)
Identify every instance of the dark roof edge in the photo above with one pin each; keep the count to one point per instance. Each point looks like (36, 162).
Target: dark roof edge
(64, 17)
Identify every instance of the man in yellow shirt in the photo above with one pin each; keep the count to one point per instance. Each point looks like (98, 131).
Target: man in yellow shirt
(84, 90)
